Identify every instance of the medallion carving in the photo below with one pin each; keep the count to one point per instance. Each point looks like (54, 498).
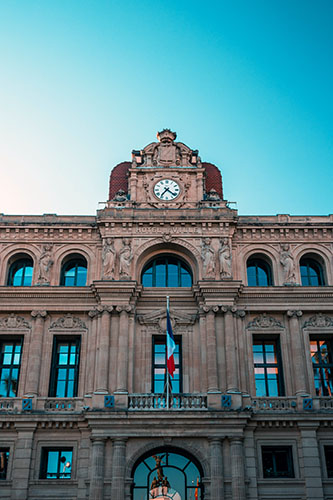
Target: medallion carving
(265, 321)
(13, 322)
(319, 321)
(68, 322)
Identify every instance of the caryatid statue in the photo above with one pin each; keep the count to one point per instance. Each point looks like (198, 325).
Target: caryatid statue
(225, 259)
(109, 258)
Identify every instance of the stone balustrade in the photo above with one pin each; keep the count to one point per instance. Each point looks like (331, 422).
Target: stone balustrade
(63, 404)
(159, 402)
(274, 404)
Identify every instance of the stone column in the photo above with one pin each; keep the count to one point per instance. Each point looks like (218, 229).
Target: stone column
(311, 458)
(122, 359)
(237, 468)
(22, 461)
(203, 344)
(96, 491)
(230, 349)
(118, 469)
(35, 353)
(298, 354)
(216, 469)
(102, 385)
(211, 349)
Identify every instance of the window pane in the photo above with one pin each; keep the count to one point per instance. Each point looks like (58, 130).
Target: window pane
(329, 460)
(4, 457)
(173, 275)
(81, 276)
(166, 271)
(251, 276)
(262, 277)
(160, 275)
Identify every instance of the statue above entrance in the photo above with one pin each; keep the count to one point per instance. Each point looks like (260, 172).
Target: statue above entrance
(166, 153)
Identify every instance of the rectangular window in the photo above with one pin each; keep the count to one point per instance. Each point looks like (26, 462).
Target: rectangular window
(65, 367)
(10, 362)
(267, 367)
(329, 460)
(159, 366)
(56, 463)
(4, 457)
(277, 461)
(322, 362)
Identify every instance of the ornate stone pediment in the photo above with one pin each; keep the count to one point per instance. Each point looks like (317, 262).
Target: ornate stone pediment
(158, 319)
(319, 321)
(13, 322)
(265, 321)
(68, 322)
(166, 153)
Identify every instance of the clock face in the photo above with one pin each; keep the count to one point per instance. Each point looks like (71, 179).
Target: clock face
(166, 189)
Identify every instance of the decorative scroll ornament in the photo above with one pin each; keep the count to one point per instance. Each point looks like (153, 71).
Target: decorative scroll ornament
(319, 321)
(13, 321)
(264, 321)
(69, 322)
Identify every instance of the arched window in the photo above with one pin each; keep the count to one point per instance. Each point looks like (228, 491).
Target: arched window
(74, 271)
(258, 272)
(166, 271)
(20, 272)
(311, 272)
(166, 473)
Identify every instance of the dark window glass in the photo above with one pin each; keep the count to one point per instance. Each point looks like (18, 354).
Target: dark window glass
(329, 460)
(10, 362)
(258, 273)
(20, 272)
(65, 368)
(322, 363)
(277, 461)
(311, 272)
(267, 367)
(169, 475)
(56, 463)
(166, 271)
(4, 457)
(74, 273)
(159, 367)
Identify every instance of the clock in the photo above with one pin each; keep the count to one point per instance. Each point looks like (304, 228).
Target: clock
(166, 189)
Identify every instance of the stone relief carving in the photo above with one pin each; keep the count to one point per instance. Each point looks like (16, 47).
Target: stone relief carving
(109, 258)
(265, 321)
(208, 259)
(225, 259)
(13, 321)
(125, 259)
(45, 263)
(319, 321)
(166, 153)
(288, 264)
(157, 319)
(213, 196)
(120, 196)
(68, 322)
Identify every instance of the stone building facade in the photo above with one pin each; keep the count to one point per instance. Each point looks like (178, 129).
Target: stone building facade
(83, 405)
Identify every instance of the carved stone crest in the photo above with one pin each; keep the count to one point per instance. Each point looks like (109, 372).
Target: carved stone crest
(13, 321)
(319, 321)
(68, 322)
(158, 319)
(265, 321)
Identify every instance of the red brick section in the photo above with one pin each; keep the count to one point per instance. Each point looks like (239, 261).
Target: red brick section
(213, 178)
(118, 178)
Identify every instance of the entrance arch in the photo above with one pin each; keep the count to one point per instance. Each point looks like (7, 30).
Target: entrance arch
(168, 473)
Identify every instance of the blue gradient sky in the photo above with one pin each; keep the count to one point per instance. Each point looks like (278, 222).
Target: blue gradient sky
(248, 83)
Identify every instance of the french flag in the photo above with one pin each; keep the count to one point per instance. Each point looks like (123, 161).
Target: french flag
(171, 346)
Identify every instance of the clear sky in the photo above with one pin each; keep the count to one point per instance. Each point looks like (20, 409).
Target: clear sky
(247, 82)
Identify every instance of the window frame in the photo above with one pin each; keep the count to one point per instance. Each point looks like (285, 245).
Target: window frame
(80, 261)
(321, 366)
(25, 259)
(5, 449)
(266, 267)
(44, 450)
(161, 340)
(16, 340)
(319, 271)
(279, 364)
(62, 339)
(181, 264)
(290, 448)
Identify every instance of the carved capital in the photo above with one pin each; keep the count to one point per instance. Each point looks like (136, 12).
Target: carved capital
(39, 314)
(100, 310)
(294, 314)
(126, 308)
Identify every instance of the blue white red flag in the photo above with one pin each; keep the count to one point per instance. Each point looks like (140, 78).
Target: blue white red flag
(171, 346)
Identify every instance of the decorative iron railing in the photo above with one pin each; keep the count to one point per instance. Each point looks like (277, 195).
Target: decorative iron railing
(160, 402)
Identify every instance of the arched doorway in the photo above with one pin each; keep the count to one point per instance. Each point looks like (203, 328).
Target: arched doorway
(167, 473)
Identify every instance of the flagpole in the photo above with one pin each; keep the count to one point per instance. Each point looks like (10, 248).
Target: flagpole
(166, 357)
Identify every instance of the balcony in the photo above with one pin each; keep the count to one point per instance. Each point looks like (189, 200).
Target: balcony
(139, 402)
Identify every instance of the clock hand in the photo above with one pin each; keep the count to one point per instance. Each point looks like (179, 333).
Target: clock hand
(167, 189)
